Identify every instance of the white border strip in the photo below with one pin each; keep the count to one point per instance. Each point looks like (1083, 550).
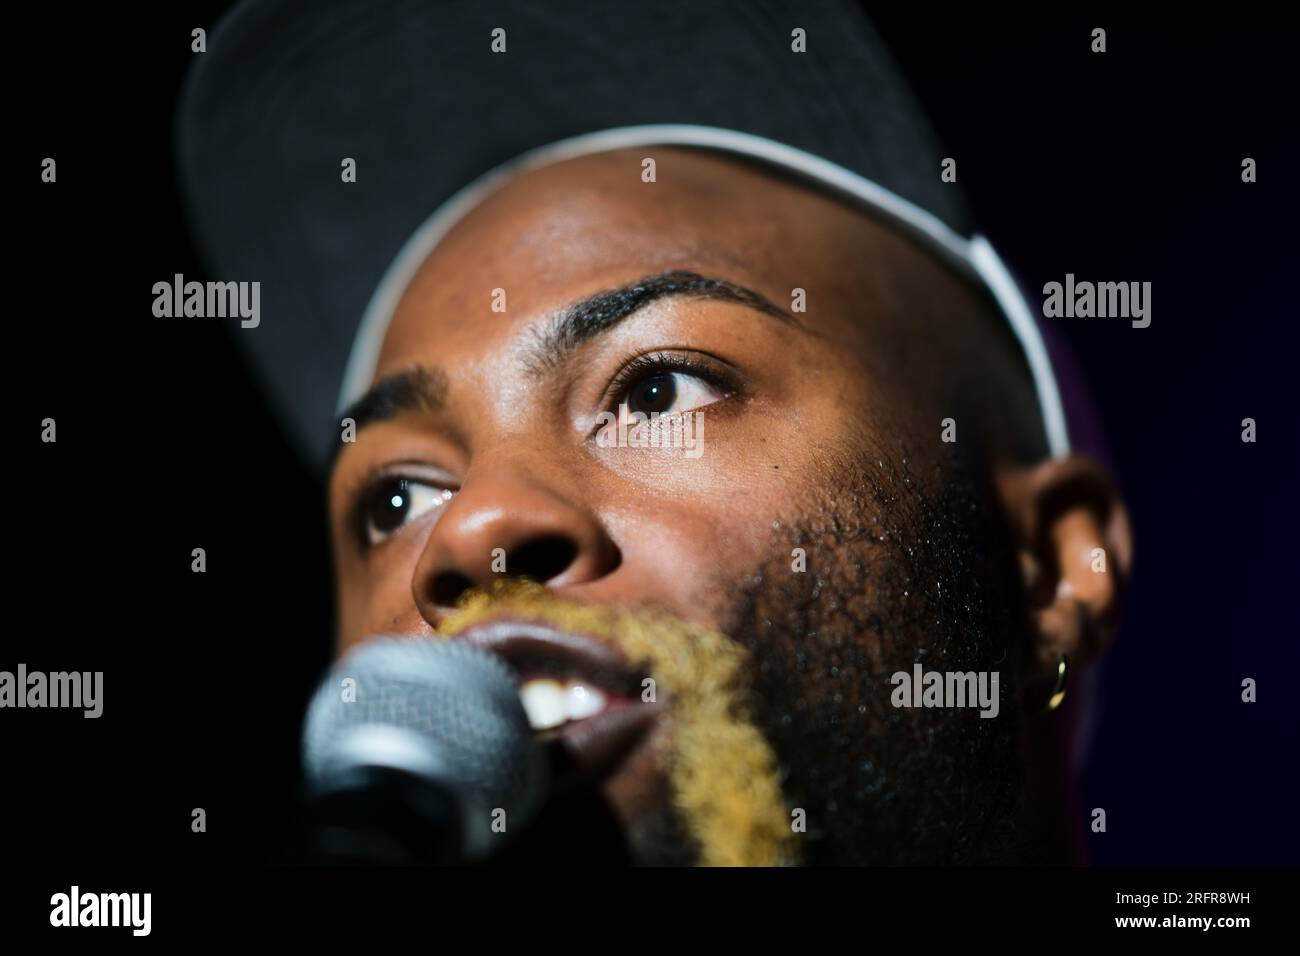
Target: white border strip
(973, 257)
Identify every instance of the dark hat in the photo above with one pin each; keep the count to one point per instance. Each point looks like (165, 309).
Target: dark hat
(427, 97)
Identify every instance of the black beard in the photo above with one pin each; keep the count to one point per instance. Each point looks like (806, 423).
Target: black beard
(901, 569)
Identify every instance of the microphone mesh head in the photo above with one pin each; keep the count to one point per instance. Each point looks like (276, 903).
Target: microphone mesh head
(441, 709)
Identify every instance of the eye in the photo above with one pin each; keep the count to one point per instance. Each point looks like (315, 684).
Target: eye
(394, 501)
(667, 392)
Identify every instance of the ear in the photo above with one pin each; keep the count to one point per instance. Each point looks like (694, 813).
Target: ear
(1076, 548)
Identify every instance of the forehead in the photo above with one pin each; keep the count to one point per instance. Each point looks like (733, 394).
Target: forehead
(558, 233)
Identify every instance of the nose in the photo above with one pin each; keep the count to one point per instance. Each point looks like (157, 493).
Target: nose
(506, 526)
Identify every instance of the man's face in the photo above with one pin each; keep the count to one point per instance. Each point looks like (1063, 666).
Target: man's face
(819, 524)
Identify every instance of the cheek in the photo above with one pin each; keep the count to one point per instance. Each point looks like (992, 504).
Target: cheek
(693, 531)
(690, 558)
(374, 595)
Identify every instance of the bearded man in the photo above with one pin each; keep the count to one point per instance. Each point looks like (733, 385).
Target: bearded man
(883, 485)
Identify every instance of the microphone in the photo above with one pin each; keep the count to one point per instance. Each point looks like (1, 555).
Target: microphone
(417, 752)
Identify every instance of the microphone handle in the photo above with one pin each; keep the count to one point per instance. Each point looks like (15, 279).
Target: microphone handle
(383, 817)
(377, 817)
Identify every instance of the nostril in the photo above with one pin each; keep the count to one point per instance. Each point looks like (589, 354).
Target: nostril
(542, 558)
(448, 587)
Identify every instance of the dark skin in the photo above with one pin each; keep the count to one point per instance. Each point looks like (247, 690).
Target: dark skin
(823, 427)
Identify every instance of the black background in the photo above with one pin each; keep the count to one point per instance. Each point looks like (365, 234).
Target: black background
(1123, 167)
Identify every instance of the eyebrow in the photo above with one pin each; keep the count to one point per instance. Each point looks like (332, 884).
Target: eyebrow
(423, 388)
(419, 388)
(585, 320)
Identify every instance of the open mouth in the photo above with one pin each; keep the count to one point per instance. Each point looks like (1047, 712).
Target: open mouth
(578, 691)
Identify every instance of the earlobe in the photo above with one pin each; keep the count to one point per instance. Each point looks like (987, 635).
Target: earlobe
(1076, 549)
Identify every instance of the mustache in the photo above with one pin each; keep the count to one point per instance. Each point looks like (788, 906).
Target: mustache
(723, 773)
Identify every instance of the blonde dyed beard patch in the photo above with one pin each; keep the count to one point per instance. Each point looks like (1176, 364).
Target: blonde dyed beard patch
(722, 771)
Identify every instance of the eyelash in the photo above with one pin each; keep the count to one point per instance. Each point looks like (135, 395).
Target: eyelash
(360, 491)
(643, 366)
(633, 369)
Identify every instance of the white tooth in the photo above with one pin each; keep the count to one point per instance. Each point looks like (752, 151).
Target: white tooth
(582, 701)
(544, 703)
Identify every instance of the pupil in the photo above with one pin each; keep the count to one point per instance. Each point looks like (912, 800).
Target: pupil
(655, 394)
(390, 504)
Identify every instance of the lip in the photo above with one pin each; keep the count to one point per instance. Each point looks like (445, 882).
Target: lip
(595, 746)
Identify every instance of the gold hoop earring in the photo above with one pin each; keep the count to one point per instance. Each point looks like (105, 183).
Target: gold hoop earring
(1058, 695)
